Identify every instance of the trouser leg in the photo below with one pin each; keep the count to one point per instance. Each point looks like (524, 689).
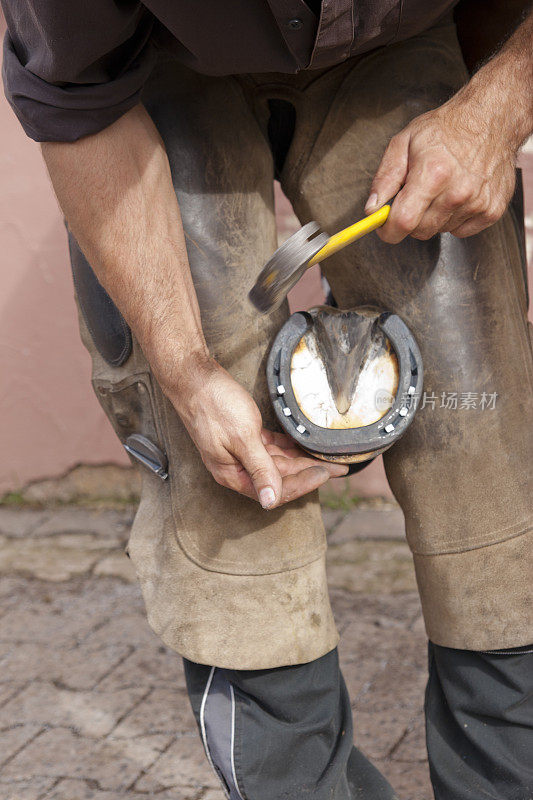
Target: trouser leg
(479, 723)
(282, 733)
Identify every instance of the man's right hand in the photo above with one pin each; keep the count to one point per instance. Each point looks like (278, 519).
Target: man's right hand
(226, 427)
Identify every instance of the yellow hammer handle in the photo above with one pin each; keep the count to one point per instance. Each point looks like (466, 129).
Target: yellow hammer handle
(351, 234)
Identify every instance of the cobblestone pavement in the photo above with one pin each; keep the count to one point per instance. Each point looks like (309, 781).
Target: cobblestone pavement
(93, 706)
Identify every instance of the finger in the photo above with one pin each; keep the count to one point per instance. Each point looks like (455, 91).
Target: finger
(453, 207)
(276, 438)
(435, 220)
(405, 214)
(295, 486)
(292, 466)
(483, 213)
(423, 185)
(293, 452)
(459, 218)
(471, 227)
(262, 470)
(391, 172)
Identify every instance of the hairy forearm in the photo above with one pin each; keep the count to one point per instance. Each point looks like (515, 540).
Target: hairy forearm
(116, 192)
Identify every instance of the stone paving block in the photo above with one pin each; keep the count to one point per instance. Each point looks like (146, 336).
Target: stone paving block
(78, 541)
(105, 599)
(80, 790)
(360, 675)
(366, 648)
(377, 732)
(116, 565)
(163, 711)
(213, 794)
(370, 567)
(12, 739)
(409, 780)
(76, 668)
(386, 610)
(8, 690)
(127, 628)
(112, 526)
(21, 521)
(332, 517)
(370, 524)
(419, 627)
(179, 793)
(114, 763)
(46, 622)
(49, 560)
(10, 589)
(90, 713)
(183, 764)
(83, 667)
(413, 745)
(25, 790)
(151, 664)
(401, 684)
(378, 634)
(103, 483)
(380, 609)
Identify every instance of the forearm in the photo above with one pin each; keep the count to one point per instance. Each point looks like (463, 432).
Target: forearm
(116, 192)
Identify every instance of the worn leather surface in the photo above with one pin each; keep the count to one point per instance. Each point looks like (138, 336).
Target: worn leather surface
(226, 583)
(108, 329)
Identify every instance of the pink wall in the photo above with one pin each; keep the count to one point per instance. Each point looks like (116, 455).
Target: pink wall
(49, 418)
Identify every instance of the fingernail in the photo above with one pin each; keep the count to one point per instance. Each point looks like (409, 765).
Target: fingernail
(267, 497)
(371, 202)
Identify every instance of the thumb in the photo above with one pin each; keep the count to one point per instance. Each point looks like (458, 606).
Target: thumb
(263, 473)
(391, 174)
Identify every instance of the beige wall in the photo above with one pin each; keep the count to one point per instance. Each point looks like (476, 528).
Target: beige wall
(49, 418)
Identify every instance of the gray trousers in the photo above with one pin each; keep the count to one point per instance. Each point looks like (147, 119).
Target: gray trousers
(286, 733)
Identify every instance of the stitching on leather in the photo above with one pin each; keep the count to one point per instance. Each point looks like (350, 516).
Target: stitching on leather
(482, 543)
(513, 651)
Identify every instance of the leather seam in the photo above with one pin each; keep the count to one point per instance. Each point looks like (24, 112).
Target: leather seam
(477, 546)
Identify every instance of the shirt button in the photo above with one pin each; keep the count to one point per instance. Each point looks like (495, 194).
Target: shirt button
(295, 24)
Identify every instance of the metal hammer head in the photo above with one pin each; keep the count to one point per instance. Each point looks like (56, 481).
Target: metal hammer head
(286, 267)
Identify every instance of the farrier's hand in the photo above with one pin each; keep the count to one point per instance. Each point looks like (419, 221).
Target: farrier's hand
(225, 424)
(453, 170)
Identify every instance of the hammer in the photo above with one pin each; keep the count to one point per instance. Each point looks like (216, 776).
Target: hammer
(301, 251)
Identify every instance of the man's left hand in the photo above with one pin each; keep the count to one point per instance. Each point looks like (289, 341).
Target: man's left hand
(451, 170)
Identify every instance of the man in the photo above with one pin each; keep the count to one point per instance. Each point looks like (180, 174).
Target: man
(163, 124)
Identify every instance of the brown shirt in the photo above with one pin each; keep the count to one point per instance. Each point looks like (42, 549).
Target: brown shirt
(72, 67)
